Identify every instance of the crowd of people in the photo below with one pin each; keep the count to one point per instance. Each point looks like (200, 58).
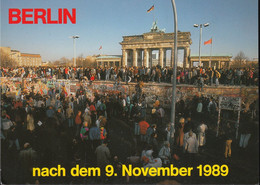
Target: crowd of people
(46, 130)
(200, 76)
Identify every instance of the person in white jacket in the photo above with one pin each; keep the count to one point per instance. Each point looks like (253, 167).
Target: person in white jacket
(202, 128)
(191, 147)
(186, 137)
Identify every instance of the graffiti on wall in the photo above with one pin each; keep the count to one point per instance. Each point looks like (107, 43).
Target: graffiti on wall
(152, 91)
(109, 88)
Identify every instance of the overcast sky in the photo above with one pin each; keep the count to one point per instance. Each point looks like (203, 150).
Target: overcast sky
(233, 25)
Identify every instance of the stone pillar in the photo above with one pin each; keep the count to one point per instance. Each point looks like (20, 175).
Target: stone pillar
(228, 64)
(189, 59)
(139, 58)
(134, 57)
(146, 58)
(150, 61)
(124, 58)
(161, 54)
(186, 57)
(210, 63)
(219, 64)
(165, 58)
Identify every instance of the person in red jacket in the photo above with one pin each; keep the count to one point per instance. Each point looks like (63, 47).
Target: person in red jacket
(92, 78)
(66, 73)
(78, 123)
(143, 128)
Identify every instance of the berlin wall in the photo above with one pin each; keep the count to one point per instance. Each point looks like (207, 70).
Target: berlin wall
(152, 91)
(164, 92)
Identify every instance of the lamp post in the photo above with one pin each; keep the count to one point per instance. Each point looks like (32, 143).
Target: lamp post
(74, 49)
(196, 26)
(174, 72)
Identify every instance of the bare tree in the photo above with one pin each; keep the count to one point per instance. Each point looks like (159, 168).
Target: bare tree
(90, 61)
(240, 60)
(66, 62)
(6, 60)
(80, 60)
(62, 62)
(56, 63)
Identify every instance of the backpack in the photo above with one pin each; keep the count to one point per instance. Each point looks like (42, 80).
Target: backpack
(102, 133)
(85, 133)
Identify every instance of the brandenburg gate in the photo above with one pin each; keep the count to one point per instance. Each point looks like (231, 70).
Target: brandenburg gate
(137, 49)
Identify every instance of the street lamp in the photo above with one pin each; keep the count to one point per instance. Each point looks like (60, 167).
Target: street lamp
(196, 26)
(74, 49)
(174, 71)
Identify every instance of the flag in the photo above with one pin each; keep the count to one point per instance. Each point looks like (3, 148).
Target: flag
(100, 48)
(150, 9)
(208, 42)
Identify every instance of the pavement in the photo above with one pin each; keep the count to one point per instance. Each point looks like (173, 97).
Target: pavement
(243, 165)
